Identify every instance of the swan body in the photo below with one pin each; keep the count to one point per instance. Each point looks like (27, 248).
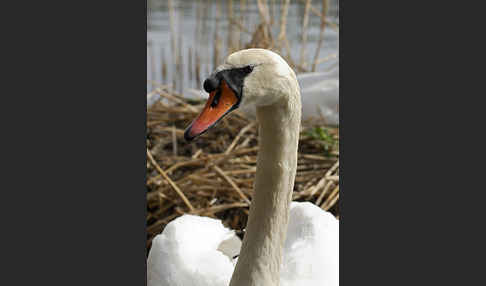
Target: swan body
(284, 243)
(199, 251)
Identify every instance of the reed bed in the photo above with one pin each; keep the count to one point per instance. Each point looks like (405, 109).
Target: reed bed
(193, 60)
(213, 176)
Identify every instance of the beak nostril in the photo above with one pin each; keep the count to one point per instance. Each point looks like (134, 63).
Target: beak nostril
(210, 84)
(215, 101)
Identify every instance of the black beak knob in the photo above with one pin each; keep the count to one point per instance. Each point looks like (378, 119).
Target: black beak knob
(210, 84)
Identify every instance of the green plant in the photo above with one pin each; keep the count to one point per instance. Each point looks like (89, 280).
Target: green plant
(326, 139)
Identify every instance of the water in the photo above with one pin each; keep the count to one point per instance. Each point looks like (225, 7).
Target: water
(214, 27)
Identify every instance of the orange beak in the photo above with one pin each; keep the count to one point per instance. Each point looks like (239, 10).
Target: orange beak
(220, 103)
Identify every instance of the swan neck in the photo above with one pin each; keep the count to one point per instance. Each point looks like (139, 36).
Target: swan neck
(261, 253)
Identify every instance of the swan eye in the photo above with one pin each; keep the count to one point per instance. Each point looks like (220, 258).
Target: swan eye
(248, 69)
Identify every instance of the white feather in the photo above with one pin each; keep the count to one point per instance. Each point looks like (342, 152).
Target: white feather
(198, 251)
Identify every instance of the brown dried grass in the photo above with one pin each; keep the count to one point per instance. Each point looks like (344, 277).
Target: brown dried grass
(213, 176)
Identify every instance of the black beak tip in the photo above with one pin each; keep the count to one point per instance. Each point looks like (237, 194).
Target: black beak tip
(188, 137)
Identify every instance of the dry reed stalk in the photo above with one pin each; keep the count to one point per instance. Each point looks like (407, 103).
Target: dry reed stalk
(263, 10)
(240, 26)
(245, 142)
(272, 12)
(197, 30)
(221, 208)
(162, 86)
(333, 169)
(332, 199)
(283, 23)
(333, 178)
(189, 63)
(198, 152)
(176, 100)
(324, 192)
(164, 66)
(198, 178)
(321, 33)
(195, 162)
(172, 35)
(231, 33)
(179, 64)
(242, 131)
(205, 37)
(172, 26)
(314, 157)
(305, 24)
(152, 60)
(316, 12)
(242, 22)
(174, 141)
(332, 56)
(230, 181)
(239, 172)
(179, 192)
(198, 68)
(217, 44)
(317, 187)
(262, 37)
(197, 37)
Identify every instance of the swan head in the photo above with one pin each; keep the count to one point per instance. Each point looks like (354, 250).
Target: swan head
(251, 77)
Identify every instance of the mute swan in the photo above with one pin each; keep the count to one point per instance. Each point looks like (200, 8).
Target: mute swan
(286, 243)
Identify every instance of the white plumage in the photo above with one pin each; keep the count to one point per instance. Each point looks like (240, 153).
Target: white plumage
(198, 251)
